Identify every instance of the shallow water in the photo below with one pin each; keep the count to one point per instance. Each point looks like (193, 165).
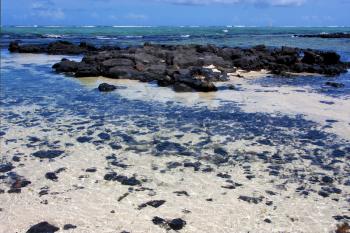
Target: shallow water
(242, 156)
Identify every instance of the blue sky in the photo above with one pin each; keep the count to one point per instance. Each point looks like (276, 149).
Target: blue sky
(176, 12)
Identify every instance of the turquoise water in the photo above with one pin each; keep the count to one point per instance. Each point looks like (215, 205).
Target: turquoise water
(225, 36)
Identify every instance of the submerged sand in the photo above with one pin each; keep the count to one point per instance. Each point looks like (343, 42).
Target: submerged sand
(212, 203)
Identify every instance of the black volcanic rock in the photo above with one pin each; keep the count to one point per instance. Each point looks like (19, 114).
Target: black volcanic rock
(6, 167)
(43, 227)
(327, 36)
(177, 224)
(47, 154)
(183, 67)
(69, 226)
(51, 176)
(334, 84)
(57, 47)
(105, 87)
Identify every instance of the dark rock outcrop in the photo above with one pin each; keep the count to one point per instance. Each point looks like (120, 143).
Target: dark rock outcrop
(327, 36)
(183, 66)
(57, 47)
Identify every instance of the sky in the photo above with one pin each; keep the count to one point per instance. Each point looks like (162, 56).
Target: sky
(176, 12)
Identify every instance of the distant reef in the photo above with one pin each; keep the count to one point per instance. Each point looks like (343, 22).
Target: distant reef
(185, 67)
(326, 35)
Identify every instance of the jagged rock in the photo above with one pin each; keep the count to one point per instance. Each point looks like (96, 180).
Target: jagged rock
(182, 66)
(43, 227)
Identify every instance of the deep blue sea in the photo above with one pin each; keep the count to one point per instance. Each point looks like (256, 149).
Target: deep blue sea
(225, 36)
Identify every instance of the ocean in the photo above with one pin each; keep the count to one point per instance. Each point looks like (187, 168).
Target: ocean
(270, 156)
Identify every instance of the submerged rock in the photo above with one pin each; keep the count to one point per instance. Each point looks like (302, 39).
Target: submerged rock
(43, 227)
(177, 224)
(124, 180)
(48, 154)
(335, 84)
(105, 87)
(155, 204)
(69, 226)
(51, 176)
(6, 167)
(174, 224)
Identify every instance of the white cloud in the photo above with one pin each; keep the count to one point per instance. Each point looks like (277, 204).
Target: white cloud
(257, 2)
(46, 9)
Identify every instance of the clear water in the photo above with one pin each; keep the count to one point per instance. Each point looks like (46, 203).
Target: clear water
(39, 103)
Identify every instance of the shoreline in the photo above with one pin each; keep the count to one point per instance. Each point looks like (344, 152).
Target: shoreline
(187, 68)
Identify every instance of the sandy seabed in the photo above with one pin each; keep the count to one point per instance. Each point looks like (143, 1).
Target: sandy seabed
(239, 195)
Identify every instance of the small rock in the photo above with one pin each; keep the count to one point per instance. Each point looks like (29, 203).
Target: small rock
(158, 221)
(69, 226)
(51, 176)
(105, 87)
(177, 224)
(267, 220)
(327, 179)
(155, 204)
(92, 169)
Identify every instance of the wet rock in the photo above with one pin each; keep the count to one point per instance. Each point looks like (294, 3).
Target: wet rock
(267, 220)
(84, 139)
(220, 151)
(181, 193)
(115, 145)
(69, 226)
(91, 170)
(224, 175)
(14, 190)
(48, 154)
(341, 217)
(6, 167)
(104, 136)
(196, 165)
(105, 87)
(122, 197)
(254, 200)
(155, 204)
(43, 227)
(16, 159)
(335, 84)
(182, 87)
(327, 179)
(323, 194)
(177, 224)
(124, 180)
(172, 165)
(51, 176)
(158, 221)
